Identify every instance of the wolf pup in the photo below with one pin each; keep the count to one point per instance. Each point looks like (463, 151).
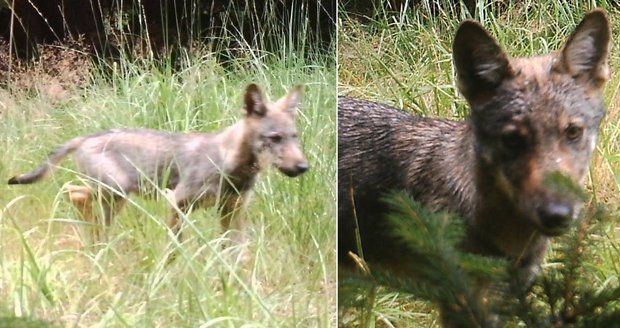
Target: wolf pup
(531, 118)
(201, 169)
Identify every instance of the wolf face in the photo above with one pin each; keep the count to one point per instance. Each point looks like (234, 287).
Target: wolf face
(275, 136)
(536, 118)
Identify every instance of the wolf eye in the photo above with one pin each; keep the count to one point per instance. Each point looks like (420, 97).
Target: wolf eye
(513, 141)
(574, 132)
(275, 138)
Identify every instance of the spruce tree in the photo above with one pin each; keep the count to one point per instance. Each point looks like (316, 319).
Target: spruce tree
(476, 291)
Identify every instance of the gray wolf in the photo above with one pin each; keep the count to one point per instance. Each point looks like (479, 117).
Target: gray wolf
(201, 169)
(530, 119)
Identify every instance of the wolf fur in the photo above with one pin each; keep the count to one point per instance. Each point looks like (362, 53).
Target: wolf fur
(530, 118)
(201, 169)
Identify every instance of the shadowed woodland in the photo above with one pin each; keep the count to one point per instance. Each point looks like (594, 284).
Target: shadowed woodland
(25, 23)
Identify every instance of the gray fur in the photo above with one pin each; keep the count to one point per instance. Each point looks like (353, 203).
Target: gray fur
(530, 118)
(201, 169)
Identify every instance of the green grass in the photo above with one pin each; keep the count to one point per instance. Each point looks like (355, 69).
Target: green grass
(406, 60)
(49, 268)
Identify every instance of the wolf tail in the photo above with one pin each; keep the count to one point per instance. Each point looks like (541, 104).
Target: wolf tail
(50, 165)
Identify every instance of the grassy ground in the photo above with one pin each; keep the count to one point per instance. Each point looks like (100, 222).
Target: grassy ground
(50, 270)
(405, 59)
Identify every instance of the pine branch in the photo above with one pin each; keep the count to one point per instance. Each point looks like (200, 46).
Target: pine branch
(439, 272)
(566, 294)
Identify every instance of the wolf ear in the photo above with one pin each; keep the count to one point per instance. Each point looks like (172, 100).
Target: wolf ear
(481, 64)
(290, 102)
(585, 55)
(254, 101)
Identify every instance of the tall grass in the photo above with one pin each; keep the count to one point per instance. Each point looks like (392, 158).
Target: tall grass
(405, 58)
(148, 27)
(50, 269)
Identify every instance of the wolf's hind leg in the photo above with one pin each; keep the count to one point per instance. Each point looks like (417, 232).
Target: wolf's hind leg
(110, 205)
(82, 197)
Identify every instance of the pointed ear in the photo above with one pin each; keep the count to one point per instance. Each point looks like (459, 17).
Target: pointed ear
(585, 55)
(481, 64)
(254, 101)
(290, 102)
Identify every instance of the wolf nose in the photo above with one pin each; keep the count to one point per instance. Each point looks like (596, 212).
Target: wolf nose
(555, 215)
(302, 167)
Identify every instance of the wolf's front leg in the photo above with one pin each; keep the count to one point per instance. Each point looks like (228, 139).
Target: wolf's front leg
(233, 219)
(176, 222)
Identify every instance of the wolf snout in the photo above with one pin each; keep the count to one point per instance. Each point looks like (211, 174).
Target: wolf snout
(302, 167)
(555, 217)
(295, 170)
